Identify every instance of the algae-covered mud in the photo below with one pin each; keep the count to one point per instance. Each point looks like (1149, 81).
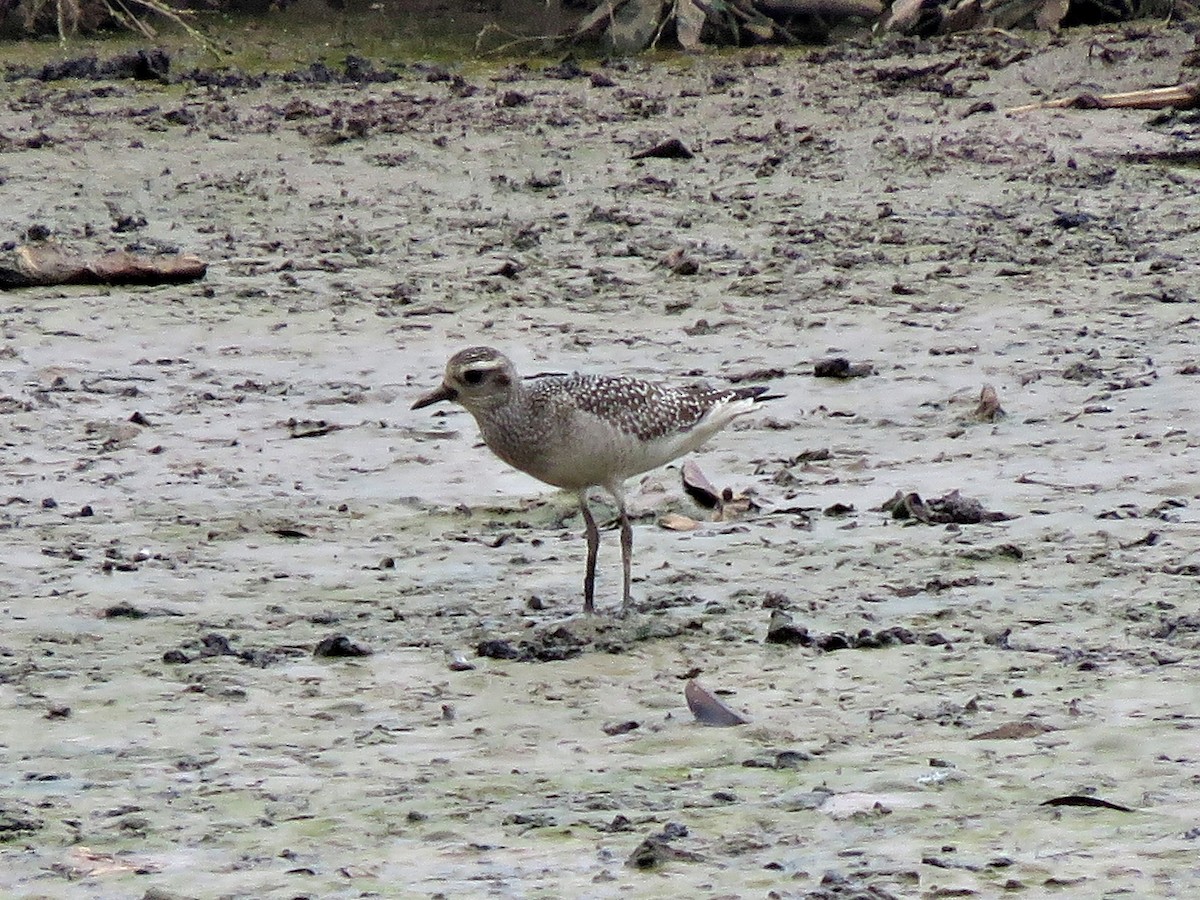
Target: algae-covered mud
(204, 484)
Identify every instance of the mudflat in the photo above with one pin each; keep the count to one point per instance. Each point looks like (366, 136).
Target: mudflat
(205, 483)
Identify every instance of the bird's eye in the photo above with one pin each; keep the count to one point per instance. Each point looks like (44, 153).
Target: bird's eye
(473, 376)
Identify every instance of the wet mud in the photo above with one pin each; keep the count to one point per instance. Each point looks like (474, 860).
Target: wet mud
(265, 623)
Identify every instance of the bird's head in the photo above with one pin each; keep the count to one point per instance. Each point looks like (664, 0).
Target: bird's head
(478, 378)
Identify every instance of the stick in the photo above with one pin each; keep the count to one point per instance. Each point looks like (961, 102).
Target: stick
(1183, 96)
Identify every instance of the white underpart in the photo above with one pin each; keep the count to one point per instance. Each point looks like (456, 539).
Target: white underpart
(597, 453)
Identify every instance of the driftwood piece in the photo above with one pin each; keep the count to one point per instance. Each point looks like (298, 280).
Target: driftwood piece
(1179, 96)
(39, 265)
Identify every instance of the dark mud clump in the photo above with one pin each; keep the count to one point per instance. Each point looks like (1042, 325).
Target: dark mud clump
(139, 65)
(599, 634)
(17, 822)
(782, 630)
(338, 645)
(215, 644)
(953, 508)
(155, 65)
(552, 646)
(355, 70)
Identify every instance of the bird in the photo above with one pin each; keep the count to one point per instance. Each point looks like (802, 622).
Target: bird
(579, 432)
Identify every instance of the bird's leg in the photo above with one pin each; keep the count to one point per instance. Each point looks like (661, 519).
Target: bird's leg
(626, 552)
(593, 546)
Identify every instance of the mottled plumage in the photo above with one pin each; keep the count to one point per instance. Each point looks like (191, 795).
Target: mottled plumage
(581, 431)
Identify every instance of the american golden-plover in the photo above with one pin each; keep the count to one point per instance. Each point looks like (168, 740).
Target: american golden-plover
(583, 431)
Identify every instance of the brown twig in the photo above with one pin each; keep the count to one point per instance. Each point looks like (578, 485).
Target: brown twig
(1181, 96)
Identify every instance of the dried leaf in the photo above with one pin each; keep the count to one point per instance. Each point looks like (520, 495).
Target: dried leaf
(672, 148)
(734, 508)
(708, 710)
(1084, 800)
(1011, 731)
(306, 428)
(676, 522)
(655, 851)
(680, 262)
(94, 864)
(698, 487)
(989, 408)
